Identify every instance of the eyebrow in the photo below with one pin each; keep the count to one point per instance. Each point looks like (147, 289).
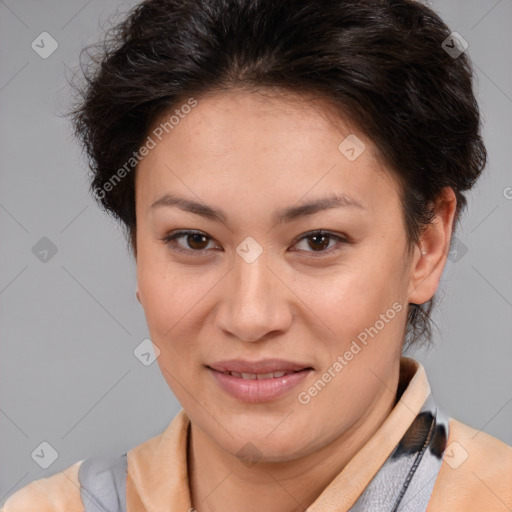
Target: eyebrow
(282, 216)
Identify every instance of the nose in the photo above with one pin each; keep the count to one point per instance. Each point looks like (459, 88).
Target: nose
(254, 301)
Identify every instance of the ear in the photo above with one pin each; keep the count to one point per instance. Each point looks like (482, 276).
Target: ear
(427, 268)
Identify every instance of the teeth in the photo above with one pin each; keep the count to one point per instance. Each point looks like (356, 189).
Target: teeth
(262, 376)
(259, 376)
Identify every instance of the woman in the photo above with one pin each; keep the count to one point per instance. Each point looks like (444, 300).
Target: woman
(290, 175)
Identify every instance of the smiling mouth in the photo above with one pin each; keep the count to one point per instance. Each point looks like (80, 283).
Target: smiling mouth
(269, 383)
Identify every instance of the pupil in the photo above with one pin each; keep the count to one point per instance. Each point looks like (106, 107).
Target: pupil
(196, 237)
(324, 239)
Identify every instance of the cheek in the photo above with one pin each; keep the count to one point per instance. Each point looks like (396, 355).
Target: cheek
(353, 298)
(174, 300)
(156, 289)
(169, 310)
(168, 292)
(347, 296)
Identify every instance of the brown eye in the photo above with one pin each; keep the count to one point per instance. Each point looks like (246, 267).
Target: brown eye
(195, 243)
(320, 242)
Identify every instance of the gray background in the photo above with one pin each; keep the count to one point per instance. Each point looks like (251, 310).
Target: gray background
(69, 326)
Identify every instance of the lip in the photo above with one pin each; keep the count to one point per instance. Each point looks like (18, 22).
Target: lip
(258, 390)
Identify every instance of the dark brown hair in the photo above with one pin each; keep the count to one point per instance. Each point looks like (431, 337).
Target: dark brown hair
(380, 62)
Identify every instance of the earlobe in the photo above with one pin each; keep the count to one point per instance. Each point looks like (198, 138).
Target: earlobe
(433, 250)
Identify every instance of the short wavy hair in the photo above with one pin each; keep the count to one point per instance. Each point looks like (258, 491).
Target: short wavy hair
(381, 63)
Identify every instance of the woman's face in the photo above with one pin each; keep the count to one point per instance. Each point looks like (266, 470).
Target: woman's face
(257, 284)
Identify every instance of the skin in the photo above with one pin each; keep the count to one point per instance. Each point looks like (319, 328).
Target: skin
(251, 155)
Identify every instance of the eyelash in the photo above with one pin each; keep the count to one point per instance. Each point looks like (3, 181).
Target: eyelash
(171, 237)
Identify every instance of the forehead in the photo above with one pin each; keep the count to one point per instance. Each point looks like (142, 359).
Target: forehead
(272, 146)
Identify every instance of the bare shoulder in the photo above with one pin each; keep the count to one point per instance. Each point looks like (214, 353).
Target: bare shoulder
(57, 493)
(476, 473)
